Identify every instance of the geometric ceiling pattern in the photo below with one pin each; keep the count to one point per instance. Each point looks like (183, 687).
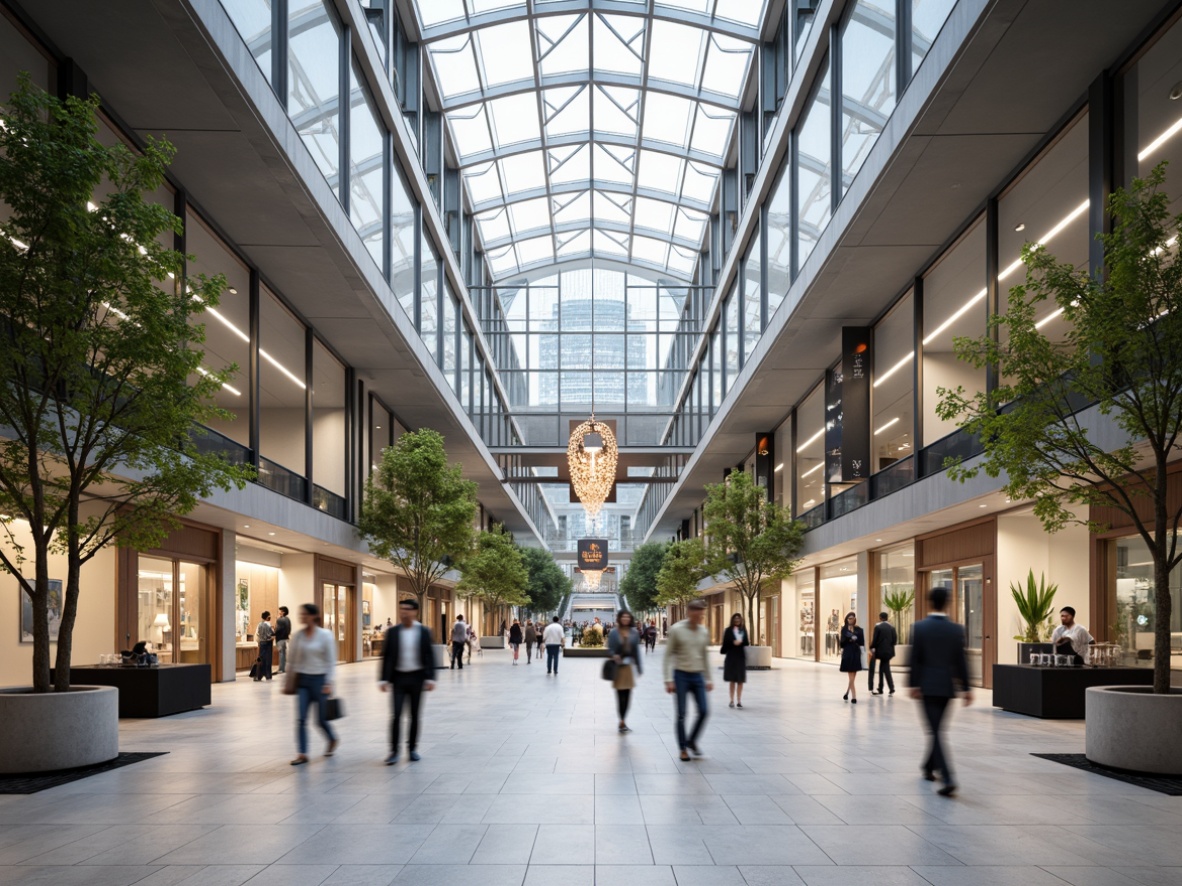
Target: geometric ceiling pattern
(586, 133)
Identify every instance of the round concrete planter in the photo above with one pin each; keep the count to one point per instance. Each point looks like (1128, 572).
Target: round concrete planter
(46, 731)
(493, 642)
(759, 657)
(902, 657)
(1128, 727)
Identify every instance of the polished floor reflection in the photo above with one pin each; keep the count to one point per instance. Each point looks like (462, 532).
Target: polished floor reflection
(524, 780)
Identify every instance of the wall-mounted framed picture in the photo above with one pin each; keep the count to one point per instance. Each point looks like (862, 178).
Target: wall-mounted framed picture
(56, 602)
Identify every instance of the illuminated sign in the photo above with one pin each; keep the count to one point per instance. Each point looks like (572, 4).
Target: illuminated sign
(592, 554)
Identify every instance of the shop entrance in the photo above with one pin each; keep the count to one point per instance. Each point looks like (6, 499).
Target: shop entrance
(175, 609)
(336, 616)
(966, 604)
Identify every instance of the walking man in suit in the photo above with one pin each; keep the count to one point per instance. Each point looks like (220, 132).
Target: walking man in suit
(882, 650)
(939, 671)
(408, 664)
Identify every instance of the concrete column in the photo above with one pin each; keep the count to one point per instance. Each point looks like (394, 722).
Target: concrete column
(862, 607)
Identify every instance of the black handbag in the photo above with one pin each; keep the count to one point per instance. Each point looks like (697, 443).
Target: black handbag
(254, 669)
(609, 669)
(335, 709)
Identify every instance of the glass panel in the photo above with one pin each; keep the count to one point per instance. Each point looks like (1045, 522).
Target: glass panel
(328, 420)
(781, 451)
(927, 17)
(970, 604)
(953, 306)
(779, 242)
(752, 307)
(867, 81)
(894, 385)
(429, 298)
(896, 579)
(252, 20)
(367, 165)
(1153, 116)
(839, 595)
(192, 634)
(18, 54)
(227, 327)
(314, 82)
(282, 390)
(155, 596)
(734, 338)
(810, 451)
(806, 626)
(379, 434)
(451, 309)
(402, 234)
(813, 145)
(1136, 614)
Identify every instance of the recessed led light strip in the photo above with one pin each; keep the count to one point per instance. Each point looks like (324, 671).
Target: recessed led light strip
(893, 421)
(812, 470)
(813, 439)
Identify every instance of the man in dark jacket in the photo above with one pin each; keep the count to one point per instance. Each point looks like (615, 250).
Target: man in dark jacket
(408, 664)
(882, 650)
(939, 671)
(282, 636)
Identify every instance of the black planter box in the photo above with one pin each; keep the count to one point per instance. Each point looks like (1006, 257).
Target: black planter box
(151, 692)
(1056, 693)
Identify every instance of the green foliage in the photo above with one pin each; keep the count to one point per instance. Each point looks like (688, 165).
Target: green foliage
(639, 585)
(495, 572)
(1035, 602)
(418, 511)
(591, 638)
(898, 602)
(1123, 352)
(100, 356)
(749, 539)
(548, 585)
(682, 568)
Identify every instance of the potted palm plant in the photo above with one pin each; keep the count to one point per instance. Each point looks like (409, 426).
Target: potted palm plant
(900, 603)
(1034, 602)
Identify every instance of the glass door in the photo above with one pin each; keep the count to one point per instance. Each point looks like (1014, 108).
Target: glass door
(173, 600)
(155, 623)
(970, 612)
(336, 614)
(191, 642)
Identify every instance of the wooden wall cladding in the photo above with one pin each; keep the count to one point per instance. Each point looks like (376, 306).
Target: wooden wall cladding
(1115, 519)
(190, 543)
(966, 542)
(264, 591)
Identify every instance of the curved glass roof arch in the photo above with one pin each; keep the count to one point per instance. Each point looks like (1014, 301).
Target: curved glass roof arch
(591, 128)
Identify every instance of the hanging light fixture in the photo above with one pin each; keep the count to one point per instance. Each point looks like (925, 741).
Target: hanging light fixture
(591, 579)
(592, 455)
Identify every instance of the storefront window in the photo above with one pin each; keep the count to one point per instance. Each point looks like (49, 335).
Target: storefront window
(867, 81)
(172, 602)
(838, 596)
(1047, 205)
(314, 83)
(328, 422)
(810, 452)
(813, 177)
(1153, 116)
(953, 306)
(782, 472)
(227, 327)
(806, 621)
(379, 434)
(282, 395)
(894, 385)
(896, 588)
(1136, 614)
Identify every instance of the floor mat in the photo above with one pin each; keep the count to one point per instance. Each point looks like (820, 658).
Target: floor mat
(1163, 784)
(31, 784)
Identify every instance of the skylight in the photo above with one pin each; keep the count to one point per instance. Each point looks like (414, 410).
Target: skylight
(582, 132)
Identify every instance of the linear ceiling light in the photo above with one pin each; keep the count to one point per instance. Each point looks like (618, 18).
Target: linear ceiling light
(813, 439)
(910, 356)
(893, 421)
(1161, 139)
(812, 470)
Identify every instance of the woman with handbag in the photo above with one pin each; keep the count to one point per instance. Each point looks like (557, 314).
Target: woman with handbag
(734, 667)
(852, 643)
(311, 672)
(515, 638)
(264, 635)
(623, 645)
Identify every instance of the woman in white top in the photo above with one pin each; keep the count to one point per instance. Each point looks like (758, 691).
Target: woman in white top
(312, 658)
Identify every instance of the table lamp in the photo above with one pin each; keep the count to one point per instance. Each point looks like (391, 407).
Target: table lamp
(161, 624)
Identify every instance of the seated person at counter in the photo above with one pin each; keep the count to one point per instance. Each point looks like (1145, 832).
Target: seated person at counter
(1071, 638)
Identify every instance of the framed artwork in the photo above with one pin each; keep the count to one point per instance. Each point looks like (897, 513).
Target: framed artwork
(365, 607)
(56, 602)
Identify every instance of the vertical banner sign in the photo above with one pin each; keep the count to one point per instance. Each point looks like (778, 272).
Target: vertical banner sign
(765, 456)
(833, 423)
(855, 397)
(592, 554)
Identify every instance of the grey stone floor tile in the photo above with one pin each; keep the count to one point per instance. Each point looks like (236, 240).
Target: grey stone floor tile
(988, 875)
(363, 875)
(563, 844)
(449, 844)
(75, 875)
(560, 875)
(376, 844)
(506, 844)
(461, 875)
(1091, 876)
(634, 875)
(878, 875)
(700, 875)
(292, 875)
(770, 875)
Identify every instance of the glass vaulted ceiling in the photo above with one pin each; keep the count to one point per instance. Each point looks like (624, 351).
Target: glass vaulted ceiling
(584, 132)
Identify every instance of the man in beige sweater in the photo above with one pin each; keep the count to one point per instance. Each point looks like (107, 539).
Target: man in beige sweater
(687, 664)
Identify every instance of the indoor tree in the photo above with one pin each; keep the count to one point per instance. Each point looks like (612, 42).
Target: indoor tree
(1122, 352)
(749, 539)
(682, 569)
(494, 572)
(547, 584)
(639, 585)
(101, 361)
(418, 511)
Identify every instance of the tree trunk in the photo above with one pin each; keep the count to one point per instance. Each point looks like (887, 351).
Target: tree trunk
(751, 624)
(1162, 605)
(65, 637)
(40, 602)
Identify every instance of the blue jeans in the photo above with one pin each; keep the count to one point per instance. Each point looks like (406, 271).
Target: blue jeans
(685, 682)
(552, 650)
(311, 689)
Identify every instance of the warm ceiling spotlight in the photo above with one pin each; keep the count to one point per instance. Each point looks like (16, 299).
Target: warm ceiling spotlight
(1176, 91)
(1020, 226)
(232, 290)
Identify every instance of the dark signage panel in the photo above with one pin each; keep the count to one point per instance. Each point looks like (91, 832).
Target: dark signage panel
(855, 403)
(592, 554)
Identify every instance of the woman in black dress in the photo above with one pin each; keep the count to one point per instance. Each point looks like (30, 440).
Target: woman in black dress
(734, 667)
(852, 642)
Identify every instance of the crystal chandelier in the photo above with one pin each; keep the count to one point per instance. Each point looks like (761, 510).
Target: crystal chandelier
(591, 579)
(592, 455)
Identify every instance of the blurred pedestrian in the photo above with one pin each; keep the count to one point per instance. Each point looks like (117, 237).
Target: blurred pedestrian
(408, 664)
(735, 641)
(851, 642)
(623, 645)
(312, 657)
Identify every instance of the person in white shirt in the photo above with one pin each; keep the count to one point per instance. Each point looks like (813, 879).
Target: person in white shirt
(408, 664)
(554, 637)
(1071, 638)
(312, 660)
